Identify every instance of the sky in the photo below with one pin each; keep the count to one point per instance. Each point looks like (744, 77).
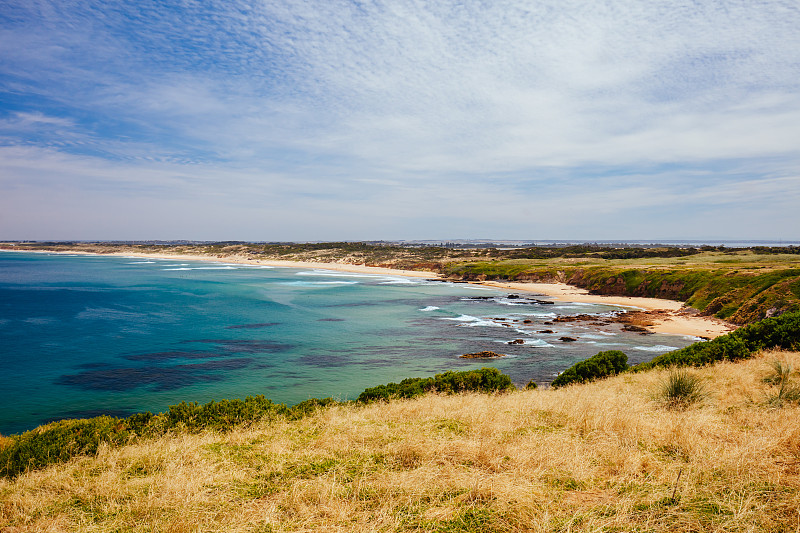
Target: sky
(306, 120)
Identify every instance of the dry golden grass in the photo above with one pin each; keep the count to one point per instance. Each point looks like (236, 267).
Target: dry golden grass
(598, 457)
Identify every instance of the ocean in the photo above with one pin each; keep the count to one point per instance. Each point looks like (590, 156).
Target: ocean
(83, 335)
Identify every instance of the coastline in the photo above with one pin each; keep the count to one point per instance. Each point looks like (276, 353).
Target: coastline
(663, 316)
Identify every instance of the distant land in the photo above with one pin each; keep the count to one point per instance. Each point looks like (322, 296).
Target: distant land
(461, 243)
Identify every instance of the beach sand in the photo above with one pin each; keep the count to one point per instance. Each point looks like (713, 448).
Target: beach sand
(664, 316)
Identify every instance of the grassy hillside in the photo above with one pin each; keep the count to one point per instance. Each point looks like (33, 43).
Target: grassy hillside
(740, 286)
(607, 456)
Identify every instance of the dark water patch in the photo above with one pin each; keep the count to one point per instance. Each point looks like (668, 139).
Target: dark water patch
(331, 320)
(247, 346)
(93, 365)
(380, 363)
(254, 326)
(325, 360)
(175, 354)
(158, 377)
(227, 364)
(356, 304)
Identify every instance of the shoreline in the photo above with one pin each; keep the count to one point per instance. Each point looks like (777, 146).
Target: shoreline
(666, 316)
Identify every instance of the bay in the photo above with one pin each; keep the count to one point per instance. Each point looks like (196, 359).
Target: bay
(82, 335)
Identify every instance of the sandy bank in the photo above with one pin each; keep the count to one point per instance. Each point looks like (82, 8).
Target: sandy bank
(667, 316)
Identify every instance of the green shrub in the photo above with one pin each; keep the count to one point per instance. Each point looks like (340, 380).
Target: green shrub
(598, 366)
(781, 332)
(681, 389)
(308, 407)
(62, 440)
(483, 380)
(724, 348)
(58, 442)
(221, 415)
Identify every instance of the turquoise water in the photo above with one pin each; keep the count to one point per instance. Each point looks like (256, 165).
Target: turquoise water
(85, 335)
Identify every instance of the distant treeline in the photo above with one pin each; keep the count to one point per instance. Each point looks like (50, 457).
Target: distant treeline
(388, 251)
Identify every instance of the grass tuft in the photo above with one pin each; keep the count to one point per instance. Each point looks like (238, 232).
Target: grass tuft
(785, 390)
(681, 389)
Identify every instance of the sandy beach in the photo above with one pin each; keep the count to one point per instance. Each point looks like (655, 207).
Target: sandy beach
(665, 316)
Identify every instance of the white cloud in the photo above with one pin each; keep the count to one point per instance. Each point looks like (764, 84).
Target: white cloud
(406, 108)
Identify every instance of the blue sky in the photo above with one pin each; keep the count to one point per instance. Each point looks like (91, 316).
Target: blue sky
(401, 119)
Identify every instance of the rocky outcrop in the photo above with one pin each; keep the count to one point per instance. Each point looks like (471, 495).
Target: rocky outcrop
(486, 354)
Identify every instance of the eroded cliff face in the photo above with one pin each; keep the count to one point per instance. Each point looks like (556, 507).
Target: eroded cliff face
(738, 297)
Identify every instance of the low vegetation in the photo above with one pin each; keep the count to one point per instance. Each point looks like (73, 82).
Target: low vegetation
(681, 389)
(62, 440)
(785, 389)
(742, 291)
(602, 365)
(781, 332)
(602, 456)
(483, 380)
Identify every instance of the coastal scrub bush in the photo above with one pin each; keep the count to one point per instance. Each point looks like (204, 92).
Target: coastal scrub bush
(308, 407)
(782, 332)
(483, 380)
(221, 415)
(603, 364)
(681, 389)
(58, 442)
(724, 348)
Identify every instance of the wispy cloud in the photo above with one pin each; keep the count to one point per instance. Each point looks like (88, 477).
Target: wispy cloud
(422, 115)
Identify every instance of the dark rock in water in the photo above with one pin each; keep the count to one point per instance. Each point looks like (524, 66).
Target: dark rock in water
(548, 323)
(512, 296)
(635, 328)
(481, 355)
(547, 331)
(567, 339)
(516, 341)
(575, 318)
(527, 321)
